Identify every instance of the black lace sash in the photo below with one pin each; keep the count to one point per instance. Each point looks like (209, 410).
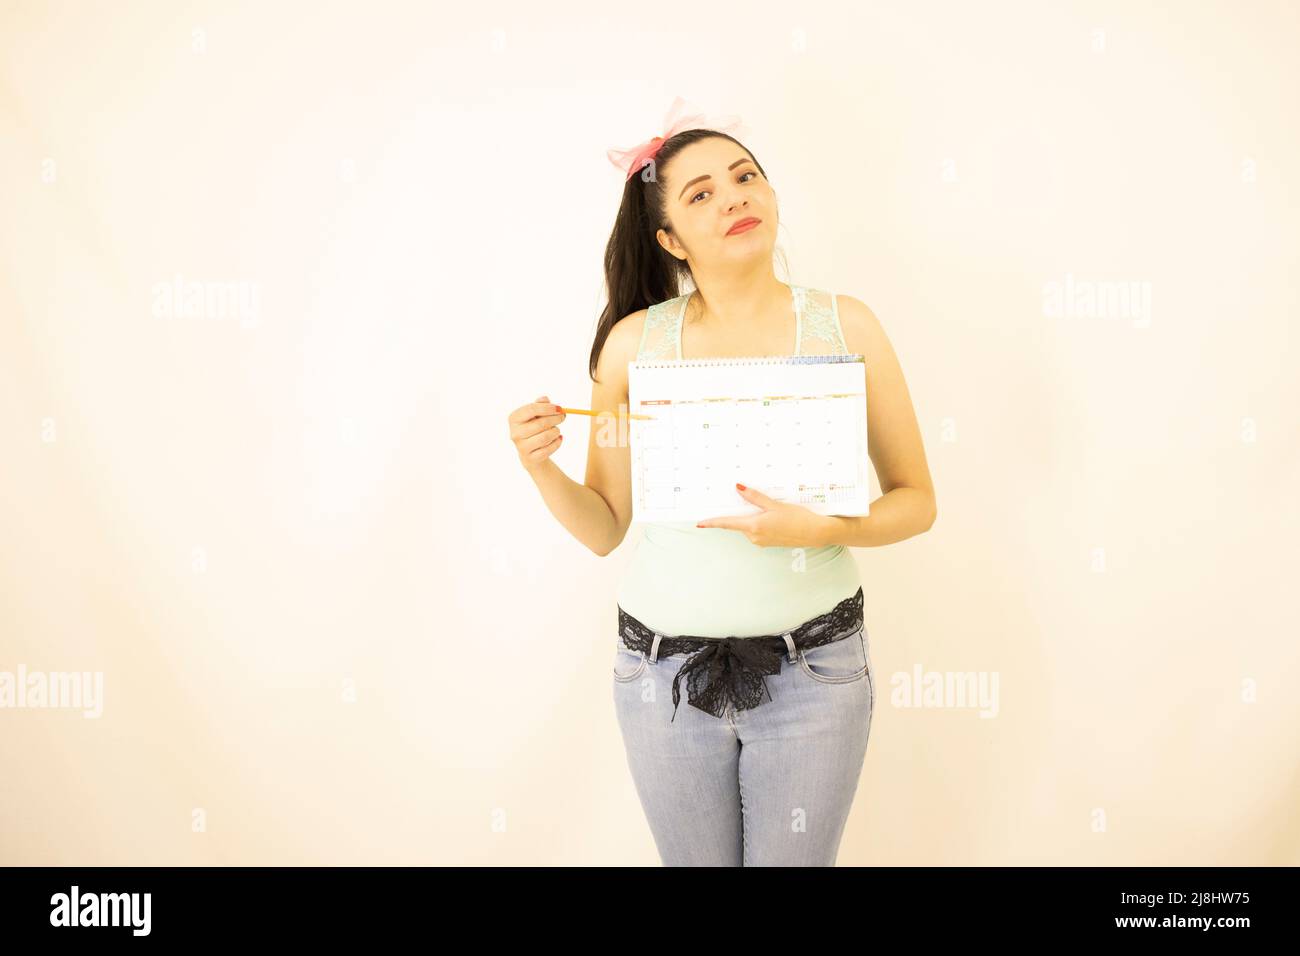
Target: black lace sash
(731, 669)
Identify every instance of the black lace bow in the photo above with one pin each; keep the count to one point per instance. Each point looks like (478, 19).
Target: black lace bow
(729, 671)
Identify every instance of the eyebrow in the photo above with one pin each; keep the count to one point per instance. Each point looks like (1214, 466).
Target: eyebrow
(698, 179)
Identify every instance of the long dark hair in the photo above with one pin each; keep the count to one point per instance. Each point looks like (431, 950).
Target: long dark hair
(638, 271)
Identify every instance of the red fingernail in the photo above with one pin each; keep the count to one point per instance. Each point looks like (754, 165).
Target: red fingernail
(740, 486)
(558, 408)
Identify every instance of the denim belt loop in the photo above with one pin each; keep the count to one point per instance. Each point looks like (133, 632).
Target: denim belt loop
(654, 648)
(789, 646)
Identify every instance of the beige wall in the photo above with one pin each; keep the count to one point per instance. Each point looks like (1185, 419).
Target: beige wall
(333, 619)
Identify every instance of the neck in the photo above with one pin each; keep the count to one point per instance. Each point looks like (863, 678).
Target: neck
(734, 298)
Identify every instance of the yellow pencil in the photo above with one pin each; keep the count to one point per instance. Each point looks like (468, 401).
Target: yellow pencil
(588, 411)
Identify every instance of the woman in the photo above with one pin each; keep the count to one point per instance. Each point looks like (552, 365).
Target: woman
(761, 769)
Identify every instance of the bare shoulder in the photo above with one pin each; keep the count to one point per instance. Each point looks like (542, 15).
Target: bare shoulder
(620, 348)
(863, 333)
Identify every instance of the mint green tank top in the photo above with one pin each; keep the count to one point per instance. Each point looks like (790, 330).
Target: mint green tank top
(713, 582)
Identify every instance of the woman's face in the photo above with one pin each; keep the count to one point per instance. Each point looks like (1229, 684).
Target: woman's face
(711, 186)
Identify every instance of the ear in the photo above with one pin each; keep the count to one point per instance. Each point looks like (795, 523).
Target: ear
(670, 244)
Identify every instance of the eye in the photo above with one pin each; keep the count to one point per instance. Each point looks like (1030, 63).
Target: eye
(748, 172)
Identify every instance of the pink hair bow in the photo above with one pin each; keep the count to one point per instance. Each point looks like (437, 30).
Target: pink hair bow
(634, 159)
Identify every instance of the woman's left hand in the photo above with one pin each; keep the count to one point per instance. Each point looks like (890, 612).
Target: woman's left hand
(779, 525)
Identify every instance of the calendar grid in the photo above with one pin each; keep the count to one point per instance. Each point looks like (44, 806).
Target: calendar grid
(793, 427)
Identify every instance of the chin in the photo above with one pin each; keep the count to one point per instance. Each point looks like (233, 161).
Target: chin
(754, 250)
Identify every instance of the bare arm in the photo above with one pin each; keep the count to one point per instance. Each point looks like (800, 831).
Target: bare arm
(907, 504)
(599, 511)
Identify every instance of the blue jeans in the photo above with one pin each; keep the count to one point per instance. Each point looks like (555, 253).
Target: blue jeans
(771, 785)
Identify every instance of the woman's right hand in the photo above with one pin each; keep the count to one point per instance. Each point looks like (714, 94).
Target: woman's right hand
(534, 428)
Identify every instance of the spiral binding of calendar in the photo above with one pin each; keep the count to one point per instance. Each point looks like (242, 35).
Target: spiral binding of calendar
(747, 360)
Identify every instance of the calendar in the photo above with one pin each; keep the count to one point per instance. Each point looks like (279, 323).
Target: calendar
(793, 427)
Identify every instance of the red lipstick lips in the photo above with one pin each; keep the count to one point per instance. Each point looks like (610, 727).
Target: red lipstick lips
(749, 222)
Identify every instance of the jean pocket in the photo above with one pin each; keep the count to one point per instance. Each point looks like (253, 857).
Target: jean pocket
(628, 664)
(839, 662)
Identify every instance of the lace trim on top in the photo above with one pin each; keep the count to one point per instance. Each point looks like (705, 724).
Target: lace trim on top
(817, 317)
(661, 337)
(820, 331)
(730, 669)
